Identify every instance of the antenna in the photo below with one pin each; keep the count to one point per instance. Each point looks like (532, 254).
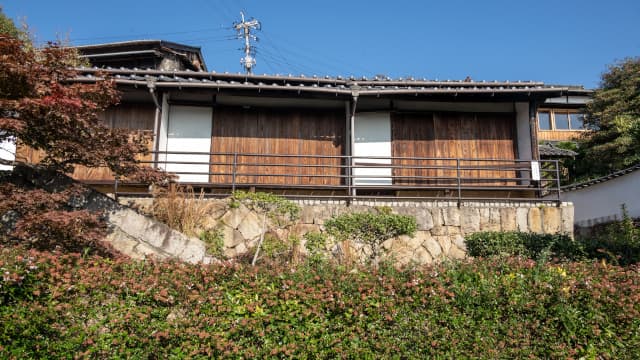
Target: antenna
(244, 32)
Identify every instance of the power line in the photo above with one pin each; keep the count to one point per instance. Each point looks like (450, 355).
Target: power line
(221, 9)
(282, 60)
(307, 55)
(149, 34)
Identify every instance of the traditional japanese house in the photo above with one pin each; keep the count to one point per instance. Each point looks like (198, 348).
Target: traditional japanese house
(332, 136)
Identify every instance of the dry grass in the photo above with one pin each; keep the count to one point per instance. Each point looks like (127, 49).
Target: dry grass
(181, 209)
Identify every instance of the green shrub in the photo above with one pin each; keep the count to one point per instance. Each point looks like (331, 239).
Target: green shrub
(500, 308)
(371, 229)
(276, 207)
(617, 242)
(315, 243)
(214, 242)
(529, 245)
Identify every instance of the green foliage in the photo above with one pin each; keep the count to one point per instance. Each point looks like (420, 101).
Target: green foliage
(277, 207)
(528, 245)
(8, 27)
(273, 247)
(371, 229)
(617, 242)
(214, 242)
(568, 164)
(615, 113)
(315, 243)
(93, 307)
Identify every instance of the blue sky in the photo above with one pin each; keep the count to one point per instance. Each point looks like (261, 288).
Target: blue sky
(560, 42)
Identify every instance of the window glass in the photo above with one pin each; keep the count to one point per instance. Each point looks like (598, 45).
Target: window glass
(562, 121)
(544, 120)
(577, 121)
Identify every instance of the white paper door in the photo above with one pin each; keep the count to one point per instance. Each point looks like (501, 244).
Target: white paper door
(189, 130)
(372, 139)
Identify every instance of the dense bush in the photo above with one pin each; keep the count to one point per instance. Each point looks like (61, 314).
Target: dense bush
(617, 242)
(529, 245)
(371, 229)
(55, 305)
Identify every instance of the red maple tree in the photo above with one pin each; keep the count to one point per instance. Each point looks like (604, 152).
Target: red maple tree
(43, 106)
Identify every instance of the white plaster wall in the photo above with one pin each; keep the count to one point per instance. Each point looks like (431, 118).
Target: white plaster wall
(7, 152)
(601, 202)
(162, 136)
(189, 130)
(372, 138)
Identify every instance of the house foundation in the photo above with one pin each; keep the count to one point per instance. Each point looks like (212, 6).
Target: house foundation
(441, 225)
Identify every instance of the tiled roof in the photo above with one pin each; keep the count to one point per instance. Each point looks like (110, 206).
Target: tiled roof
(301, 83)
(550, 150)
(602, 179)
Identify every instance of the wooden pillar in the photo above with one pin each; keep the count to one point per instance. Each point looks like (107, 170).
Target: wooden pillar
(533, 126)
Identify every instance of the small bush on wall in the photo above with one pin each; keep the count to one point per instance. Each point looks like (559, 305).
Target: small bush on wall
(371, 229)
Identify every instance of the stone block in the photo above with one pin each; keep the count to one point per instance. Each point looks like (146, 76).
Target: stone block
(432, 245)
(534, 219)
(123, 243)
(522, 219)
(217, 208)
(508, 219)
(439, 230)
(445, 244)
(489, 219)
(229, 252)
(251, 225)
(321, 214)
(142, 251)
(551, 220)
(413, 242)
(451, 216)
(469, 220)
(307, 214)
(241, 249)
(424, 219)
(421, 256)
(233, 217)
(232, 237)
(458, 241)
(436, 215)
(193, 252)
(567, 220)
(174, 245)
(456, 253)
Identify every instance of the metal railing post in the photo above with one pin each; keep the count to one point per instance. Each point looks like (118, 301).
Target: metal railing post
(115, 189)
(559, 199)
(349, 179)
(233, 172)
(459, 181)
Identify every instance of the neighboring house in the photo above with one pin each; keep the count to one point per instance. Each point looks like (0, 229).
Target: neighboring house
(144, 54)
(327, 136)
(600, 200)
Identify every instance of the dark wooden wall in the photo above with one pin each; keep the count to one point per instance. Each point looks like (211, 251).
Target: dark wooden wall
(130, 116)
(278, 131)
(139, 118)
(452, 135)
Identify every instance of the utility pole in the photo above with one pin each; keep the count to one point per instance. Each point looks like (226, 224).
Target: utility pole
(244, 32)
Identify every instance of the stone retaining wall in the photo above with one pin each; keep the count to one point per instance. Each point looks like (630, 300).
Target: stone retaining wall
(442, 226)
